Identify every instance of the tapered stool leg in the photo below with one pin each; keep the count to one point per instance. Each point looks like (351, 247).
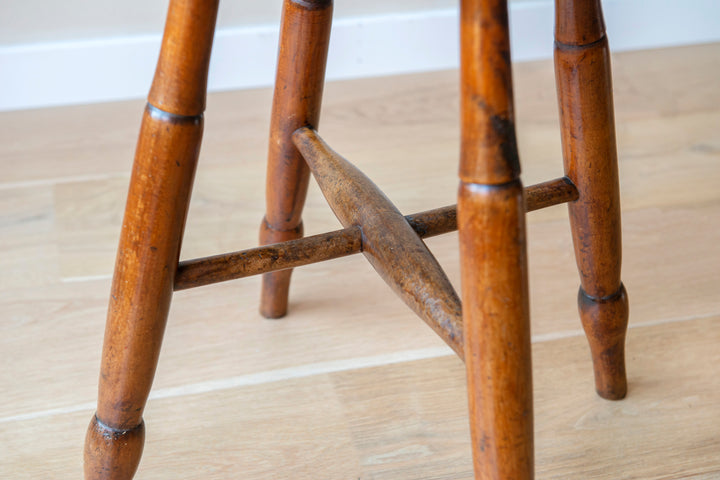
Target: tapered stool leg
(582, 67)
(304, 38)
(491, 224)
(150, 239)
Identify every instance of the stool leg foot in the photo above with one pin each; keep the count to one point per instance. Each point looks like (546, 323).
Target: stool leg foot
(491, 227)
(150, 239)
(605, 322)
(304, 39)
(276, 286)
(112, 454)
(582, 68)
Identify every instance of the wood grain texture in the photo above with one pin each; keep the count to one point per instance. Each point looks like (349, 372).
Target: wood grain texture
(144, 271)
(486, 111)
(388, 241)
(299, 81)
(339, 243)
(270, 258)
(493, 257)
(578, 22)
(115, 453)
(180, 82)
(149, 249)
(496, 310)
(147, 258)
(584, 86)
(61, 200)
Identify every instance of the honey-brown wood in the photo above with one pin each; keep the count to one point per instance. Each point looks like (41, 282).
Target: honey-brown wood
(339, 243)
(112, 453)
(393, 248)
(490, 332)
(270, 258)
(180, 82)
(149, 249)
(582, 66)
(304, 38)
(491, 226)
(549, 193)
(497, 330)
(61, 202)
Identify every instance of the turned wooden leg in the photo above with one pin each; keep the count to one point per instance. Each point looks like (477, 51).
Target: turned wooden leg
(304, 38)
(150, 240)
(582, 68)
(491, 224)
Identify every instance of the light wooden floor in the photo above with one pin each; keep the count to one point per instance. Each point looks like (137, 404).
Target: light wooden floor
(351, 385)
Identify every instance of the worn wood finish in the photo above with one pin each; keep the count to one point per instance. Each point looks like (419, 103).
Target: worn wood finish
(147, 258)
(270, 258)
(180, 82)
(304, 39)
(388, 242)
(490, 217)
(487, 129)
(491, 225)
(339, 243)
(547, 194)
(442, 220)
(106, 449)
(431, 223)
(497, 330)
(60, 201)
(584, 85)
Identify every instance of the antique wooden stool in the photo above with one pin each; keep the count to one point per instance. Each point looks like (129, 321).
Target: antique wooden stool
(491, 331)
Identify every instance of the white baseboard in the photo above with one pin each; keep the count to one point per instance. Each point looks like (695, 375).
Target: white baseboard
(87, 71)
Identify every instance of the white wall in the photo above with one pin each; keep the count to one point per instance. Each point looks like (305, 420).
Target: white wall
(80, 51)
(32, 21)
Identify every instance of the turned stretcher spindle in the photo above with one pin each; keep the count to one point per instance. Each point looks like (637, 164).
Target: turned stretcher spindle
(304, 39)
(393, 248)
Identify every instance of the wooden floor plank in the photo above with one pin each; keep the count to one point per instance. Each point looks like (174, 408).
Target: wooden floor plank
(407, 420)
(65, 176)
(54, 318)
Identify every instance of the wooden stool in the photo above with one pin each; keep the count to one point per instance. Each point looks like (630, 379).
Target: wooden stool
(491, 332)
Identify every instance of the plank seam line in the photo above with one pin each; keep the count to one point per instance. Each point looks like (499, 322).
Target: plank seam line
(269, 376)
(313, 369)
(49, 182)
